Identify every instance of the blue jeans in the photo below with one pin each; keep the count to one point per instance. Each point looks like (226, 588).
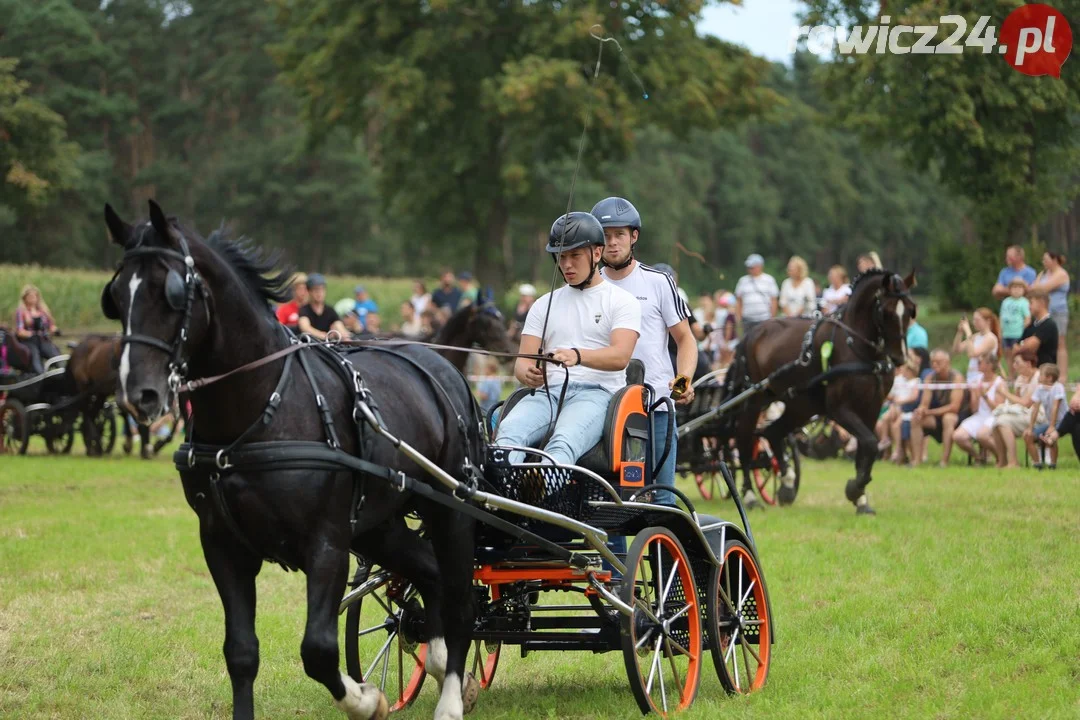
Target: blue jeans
(578, 429)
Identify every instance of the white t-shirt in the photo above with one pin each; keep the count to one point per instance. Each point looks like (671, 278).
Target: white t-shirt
(799, 299)
(902, 387)
(832, 298)
(584, 319)
(661, 308)
(1045, 395)
(756, 294)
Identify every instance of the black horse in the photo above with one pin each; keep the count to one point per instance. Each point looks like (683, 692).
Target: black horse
(478, 324)
(848, 384)
(202, 306)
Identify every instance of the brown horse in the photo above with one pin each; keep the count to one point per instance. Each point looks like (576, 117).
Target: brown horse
(92, 371)
(840, 367)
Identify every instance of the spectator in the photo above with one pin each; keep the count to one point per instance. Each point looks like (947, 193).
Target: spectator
(317, 318)
(430, 322)
(1069, 425)
(939, 410)
(469, 290)
(373, 323)
(986, 338)
(1050, 395)
(526, 298)
(1054, 280)
(447, 295)
(288, 314)
(33, 326)
(836, 295)
(984, 399)
(1041, 336)
(867, 261)
(1015, 313)
(916, 335)
(420, 297)
(412, 327)
(364, 303)
(705, 314)
(902, 401)
(726, 326)
(489, 389)
(797, 294)
(756, 295)
(352, 323)
(1014, 267)
(1011, 416)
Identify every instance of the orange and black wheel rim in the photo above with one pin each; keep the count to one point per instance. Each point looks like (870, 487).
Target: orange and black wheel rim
(740, 623)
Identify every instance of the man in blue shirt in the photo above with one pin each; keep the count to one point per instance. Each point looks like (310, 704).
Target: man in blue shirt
(916, 335)
(1014, 267)
(364, 304)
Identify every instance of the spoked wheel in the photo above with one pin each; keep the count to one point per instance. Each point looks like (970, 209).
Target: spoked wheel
(381, 638)
(14, 430)
(483, 658)
(740, 622)
(766, 471)
(59, 432)
(662, 638)
(105, 425)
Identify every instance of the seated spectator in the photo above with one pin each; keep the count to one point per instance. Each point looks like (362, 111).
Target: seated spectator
(430, 322)
(373, 323)
(33, 327)
(317, 318)
(938, 413)
(902, 401)
(836, 295)
(352, 323)
(364, 303)
(420, 297)
(983, 399)
(288, 314)
(1015, 313)
(1050, 395)
(489, 389)
(917, 337)
(447, 295)
(412, 327)
(1069, 425)
(1011, 416)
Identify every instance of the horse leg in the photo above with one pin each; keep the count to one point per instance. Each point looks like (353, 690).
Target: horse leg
(128, 439)
(90, 435)
(776, 434)
(855, 491)
(234, 569)
(452, 539)
(147, 451)
(745, 427)
(326, 571)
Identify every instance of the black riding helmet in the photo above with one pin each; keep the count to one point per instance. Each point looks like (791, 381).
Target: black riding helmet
(575, 230)
(618, 212)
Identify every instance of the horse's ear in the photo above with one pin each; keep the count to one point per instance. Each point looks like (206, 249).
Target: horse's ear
(118, 229)
(910, 280)
(159, 221)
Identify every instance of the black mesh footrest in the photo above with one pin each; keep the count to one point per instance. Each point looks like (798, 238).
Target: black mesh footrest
(550, 487)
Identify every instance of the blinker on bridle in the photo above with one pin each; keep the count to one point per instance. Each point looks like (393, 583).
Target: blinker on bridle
(179, 294)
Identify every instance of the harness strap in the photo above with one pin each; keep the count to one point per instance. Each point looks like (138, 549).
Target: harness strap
(217, 494)
(324, 407)
(265, 419)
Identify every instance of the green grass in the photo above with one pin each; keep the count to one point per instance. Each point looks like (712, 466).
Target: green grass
(960, 599)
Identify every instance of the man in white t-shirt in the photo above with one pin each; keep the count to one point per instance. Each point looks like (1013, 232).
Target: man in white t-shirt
(756, 295)
(592, 329)
(663, 313)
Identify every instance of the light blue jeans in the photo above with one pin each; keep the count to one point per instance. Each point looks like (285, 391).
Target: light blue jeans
(666, 474)
(578, 429)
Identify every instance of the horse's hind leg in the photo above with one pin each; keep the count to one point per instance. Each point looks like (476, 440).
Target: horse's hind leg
(327, 572)
(745, 427)
(776, 434)
(234, 569)
(855, 490)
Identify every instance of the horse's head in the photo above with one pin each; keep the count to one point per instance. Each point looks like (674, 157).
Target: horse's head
(486, 327)
(882, 307)
(159, 297)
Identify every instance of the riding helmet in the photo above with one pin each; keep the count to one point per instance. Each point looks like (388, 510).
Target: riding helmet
(574, 230)
(617, 212)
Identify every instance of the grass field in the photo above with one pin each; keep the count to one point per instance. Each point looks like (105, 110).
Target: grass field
(961, 599)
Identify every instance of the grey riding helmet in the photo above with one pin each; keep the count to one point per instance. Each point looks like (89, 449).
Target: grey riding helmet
(574, 230)
(617, 212)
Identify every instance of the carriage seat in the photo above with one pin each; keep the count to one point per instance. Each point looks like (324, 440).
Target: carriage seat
(620, 454)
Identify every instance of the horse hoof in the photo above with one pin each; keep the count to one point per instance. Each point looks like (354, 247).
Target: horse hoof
(362, 701)
(853, 491)
(146, 453)
(750, 501)
(862, 506)
(127, 447)
(786, 495)
(470, 693)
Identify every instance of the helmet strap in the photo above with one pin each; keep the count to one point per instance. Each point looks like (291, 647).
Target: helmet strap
(585, 283)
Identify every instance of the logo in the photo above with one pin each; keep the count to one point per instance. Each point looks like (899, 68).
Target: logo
(596, 318)
(1035, 38)
(642, 299)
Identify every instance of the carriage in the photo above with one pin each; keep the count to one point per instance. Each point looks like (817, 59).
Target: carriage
(688, 583)
(46, 405)
(705, 445)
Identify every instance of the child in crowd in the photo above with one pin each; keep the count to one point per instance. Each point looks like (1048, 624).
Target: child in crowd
(1050, 395)
(1015, 313)
(905, 396)
(489, 389)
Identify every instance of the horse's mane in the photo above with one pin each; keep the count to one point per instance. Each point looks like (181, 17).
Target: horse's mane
(258, 271)
(859, 284)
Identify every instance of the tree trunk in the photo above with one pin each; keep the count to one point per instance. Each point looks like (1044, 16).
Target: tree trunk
(489, 267)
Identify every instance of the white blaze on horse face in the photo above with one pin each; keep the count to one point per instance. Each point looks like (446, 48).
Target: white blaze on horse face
(900, 310)
(125, 358)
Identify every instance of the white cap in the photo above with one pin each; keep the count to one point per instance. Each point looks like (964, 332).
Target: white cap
(527, 289)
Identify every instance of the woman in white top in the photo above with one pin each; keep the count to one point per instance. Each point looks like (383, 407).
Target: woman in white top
(1012, 416)
(984, 398)
(985, 338)
(797, 295)
(836, 295)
